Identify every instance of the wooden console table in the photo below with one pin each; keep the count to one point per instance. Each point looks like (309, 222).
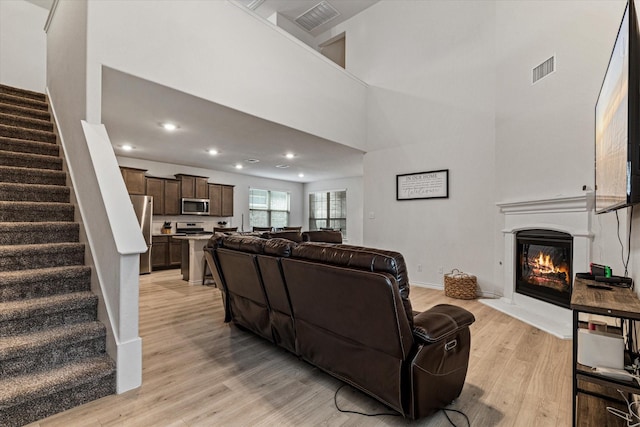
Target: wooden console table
(620, 303)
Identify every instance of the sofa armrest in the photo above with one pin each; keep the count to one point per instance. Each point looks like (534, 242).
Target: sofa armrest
(440, 321)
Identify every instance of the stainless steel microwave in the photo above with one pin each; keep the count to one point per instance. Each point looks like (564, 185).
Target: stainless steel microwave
(195, 206)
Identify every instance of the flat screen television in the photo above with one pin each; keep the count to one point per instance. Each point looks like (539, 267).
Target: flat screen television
(617, 138)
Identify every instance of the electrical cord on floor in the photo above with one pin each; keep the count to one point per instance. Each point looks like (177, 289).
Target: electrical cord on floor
(444, 411)
(395, 414)
(335, 401)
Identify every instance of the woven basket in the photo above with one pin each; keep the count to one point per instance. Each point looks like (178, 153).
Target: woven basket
(460, 285)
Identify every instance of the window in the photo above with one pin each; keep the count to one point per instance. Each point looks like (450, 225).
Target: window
(268, 208)
(328, 209)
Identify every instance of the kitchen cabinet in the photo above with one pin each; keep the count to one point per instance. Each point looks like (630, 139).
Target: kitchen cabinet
(171, 197)
(220, 200)
(159, 250)
(134, 180)
(166, 195)
(193, 187)
(165, 252)
(227, 200)
(155, 188)
(175, 252)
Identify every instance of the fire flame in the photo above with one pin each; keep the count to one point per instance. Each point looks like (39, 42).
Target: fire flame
(542, 264)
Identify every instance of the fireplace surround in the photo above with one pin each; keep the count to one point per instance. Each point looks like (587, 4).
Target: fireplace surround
(570, 215)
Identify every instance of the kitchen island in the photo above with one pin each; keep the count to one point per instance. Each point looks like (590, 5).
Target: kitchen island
(193, 256)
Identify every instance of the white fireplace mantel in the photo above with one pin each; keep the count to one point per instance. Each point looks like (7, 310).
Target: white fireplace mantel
(568, 214)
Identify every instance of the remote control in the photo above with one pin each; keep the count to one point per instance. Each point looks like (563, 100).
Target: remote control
(606, 288)
(614, 279)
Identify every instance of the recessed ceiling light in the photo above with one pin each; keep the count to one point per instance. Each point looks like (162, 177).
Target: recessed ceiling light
(252, 161)
(127, 147)
(238, 166)
(169, 126)
(213, 152)
(289, 155)
(282, 166)
(300, 175)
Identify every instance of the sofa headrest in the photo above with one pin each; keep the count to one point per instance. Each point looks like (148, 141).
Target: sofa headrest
(215, 241)
(279, 247)
(371, 259)
(251, 244)
(294, 236)
(328, 236)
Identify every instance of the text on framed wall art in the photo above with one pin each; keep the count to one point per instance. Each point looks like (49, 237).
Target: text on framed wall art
(423, 185)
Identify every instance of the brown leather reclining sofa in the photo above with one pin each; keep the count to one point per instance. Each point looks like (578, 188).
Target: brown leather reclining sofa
(346, 310)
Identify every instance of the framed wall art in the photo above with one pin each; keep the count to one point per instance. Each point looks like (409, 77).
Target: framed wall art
(423, 185)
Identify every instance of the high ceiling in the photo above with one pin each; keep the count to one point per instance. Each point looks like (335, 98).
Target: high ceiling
(133, 108)
(291, 9)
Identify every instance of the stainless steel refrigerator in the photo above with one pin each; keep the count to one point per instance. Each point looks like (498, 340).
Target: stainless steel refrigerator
(143, 206)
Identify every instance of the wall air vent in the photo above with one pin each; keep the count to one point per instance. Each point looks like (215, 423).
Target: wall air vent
(319, 14)
(544, 69)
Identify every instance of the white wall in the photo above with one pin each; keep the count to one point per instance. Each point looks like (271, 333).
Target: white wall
(114, 275)
(23, 45)
(194, 47)
(429, 66)
(240, 194)
(354, 188)
(544, 132)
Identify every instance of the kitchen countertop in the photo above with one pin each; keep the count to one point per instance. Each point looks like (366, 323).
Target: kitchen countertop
(193, 236)
(169, 235)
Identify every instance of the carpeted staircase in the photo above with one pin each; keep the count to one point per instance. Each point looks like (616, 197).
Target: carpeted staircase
(52, 348)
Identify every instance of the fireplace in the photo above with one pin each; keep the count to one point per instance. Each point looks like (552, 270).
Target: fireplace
(543, 265)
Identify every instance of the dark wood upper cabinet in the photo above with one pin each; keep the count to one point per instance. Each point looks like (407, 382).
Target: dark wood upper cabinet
(193, 187)
(227, 200)
(133, 180)
(215, 200)
(166, 195)
(171, 197)
(155, 188)
(220, 200)
(202, 190)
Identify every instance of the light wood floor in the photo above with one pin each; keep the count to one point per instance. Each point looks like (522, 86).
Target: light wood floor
(199, 371)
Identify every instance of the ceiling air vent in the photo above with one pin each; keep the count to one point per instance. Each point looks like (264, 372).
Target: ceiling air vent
(319, 14)
(544, 69)
(254, 4)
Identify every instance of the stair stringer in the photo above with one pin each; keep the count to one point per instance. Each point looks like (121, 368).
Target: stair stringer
(115, 283)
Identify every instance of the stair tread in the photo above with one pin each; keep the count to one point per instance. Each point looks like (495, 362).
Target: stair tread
(27, 205)
(34, 156)
(37, 131)
(28, 142)
(7, 250)
(24, 170)
(25, 110)
(15, 345)
(37, 225)
(26, 122)
(12, 99)
(21, 309)
(7, 276)
(16, 390)
(34, 187)
(23, 93)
